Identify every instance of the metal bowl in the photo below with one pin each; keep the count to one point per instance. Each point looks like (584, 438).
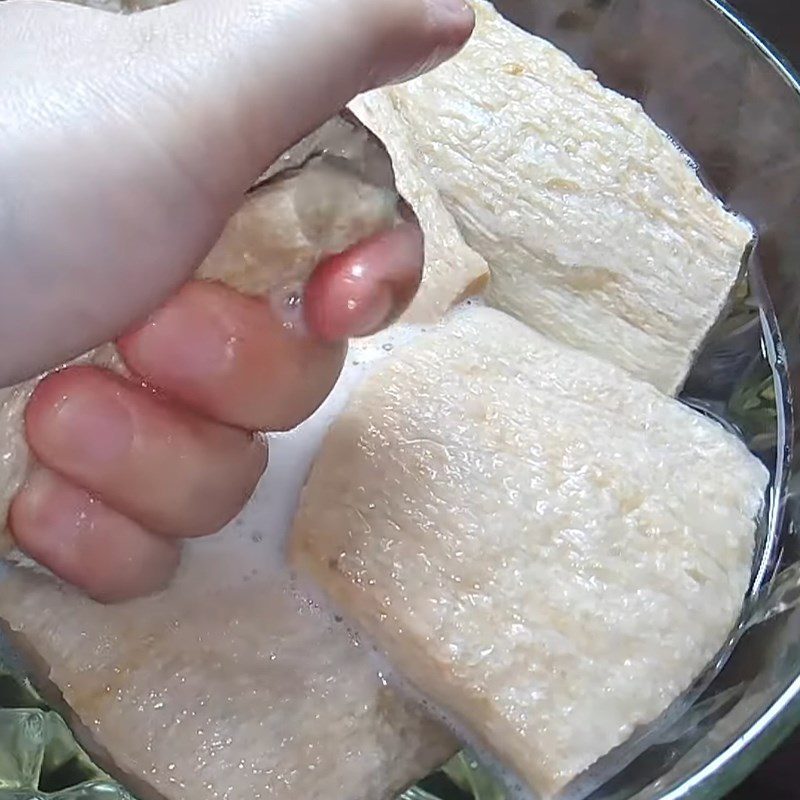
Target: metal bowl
(734, 106)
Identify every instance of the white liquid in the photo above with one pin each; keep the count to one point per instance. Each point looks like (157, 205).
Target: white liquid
(292, 456)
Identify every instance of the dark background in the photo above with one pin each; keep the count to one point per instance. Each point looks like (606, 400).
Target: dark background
(778, 21)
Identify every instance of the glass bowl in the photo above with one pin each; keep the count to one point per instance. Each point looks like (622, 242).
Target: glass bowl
(734, 105)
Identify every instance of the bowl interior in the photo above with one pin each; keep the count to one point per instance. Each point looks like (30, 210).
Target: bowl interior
(734, 106)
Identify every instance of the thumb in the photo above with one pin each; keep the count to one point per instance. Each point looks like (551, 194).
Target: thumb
(131, 140)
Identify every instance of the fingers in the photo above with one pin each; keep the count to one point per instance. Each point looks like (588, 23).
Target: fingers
(130, 471)
(86, 543)
(171, 471)
(365, 289)
(115, 183)
(231, 358)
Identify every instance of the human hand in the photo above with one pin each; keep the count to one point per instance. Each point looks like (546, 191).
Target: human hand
(127, 471)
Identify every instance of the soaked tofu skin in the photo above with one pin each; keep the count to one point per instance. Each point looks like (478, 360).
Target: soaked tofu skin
(597, 230)
(453, 270)
(546, 548)
(228, 684)
(333, 189)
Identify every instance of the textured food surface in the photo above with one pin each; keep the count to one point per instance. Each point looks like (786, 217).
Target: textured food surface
(453, 269)
(328, 192)
(596, 229)
(548, 549)
(228, 685)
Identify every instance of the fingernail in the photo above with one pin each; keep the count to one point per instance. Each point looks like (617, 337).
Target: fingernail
(371, 313)
(93, 428)
(451, 14)
(448, 25)
(345, 301)
(359, 292)
(187, 339)
(55, 511)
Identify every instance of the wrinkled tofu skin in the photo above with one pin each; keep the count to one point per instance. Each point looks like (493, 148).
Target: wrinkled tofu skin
(548, 549)
(331, 190)
(596, 228)
(453, 270)
(225, 686)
